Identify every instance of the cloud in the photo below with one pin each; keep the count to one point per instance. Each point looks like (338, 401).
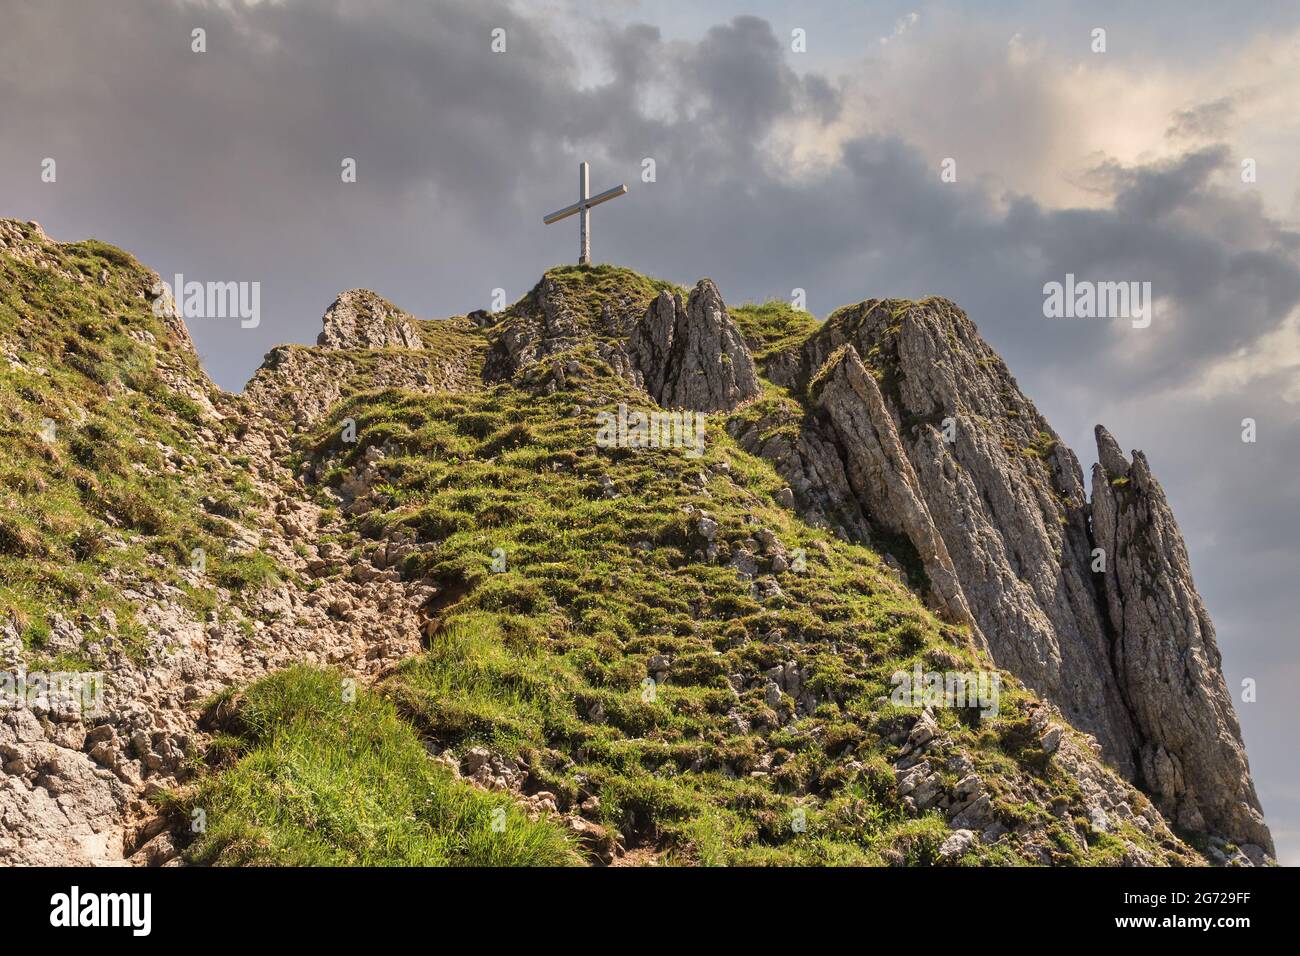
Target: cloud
(901, 26)
(1203, 120)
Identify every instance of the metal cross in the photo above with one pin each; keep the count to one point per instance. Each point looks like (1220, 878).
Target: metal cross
(583, 208)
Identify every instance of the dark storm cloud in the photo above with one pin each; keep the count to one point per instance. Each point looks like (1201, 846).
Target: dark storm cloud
(225, 165)
(227, 162)
(737, 73)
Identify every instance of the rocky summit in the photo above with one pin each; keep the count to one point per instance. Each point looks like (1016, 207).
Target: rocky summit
(398, 603)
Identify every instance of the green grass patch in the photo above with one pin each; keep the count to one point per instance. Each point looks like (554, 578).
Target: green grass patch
(323, 778)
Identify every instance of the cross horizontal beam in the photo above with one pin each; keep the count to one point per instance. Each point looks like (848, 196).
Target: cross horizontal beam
(577, 207)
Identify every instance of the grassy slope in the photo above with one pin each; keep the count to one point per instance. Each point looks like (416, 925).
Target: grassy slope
(772, 327)
(129, 485)
(118, 489)
(322, 778)
(546, 660)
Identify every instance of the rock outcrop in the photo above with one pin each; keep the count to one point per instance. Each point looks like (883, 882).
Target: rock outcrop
(691, 355)
(550, 326)
(805, 451)
(1005, 495)
(879, 472)
(360, 319)
(939, 445)
(1191, 759)
(686, 355)
(366, 343)
(307, 382)
(552, 318)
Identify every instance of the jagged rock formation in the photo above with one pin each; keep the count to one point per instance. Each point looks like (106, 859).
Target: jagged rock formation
(1006, 496)
(805, 452)
(360, 319)
(1167, 662)
(554, 316)
(1007, 501)
(879, 472)
(367, 342)
(691, 356)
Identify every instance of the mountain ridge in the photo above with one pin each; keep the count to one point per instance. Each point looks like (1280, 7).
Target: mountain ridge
(407, 597)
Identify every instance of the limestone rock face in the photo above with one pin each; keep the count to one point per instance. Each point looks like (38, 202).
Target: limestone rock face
(693, 356)
(304, 382)
(360, 319)
(879, 472)
(1005, 496)
(309, 381)
(1191, 757)
(549, 320)
(805, 451)
(939, 445)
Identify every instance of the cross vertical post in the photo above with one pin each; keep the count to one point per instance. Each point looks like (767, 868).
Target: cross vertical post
(584, 226)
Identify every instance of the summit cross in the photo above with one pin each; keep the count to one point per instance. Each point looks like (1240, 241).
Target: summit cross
(583, 209)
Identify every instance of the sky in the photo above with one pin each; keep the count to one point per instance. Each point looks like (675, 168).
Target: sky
(1170, 156)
